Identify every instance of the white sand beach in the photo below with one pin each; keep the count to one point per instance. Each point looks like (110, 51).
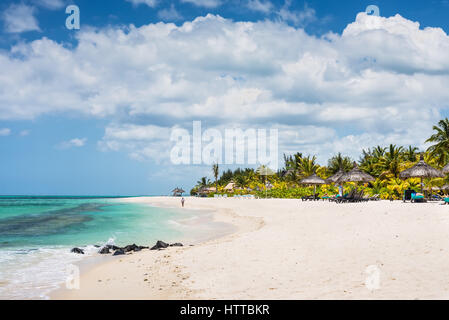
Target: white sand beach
(289, 249)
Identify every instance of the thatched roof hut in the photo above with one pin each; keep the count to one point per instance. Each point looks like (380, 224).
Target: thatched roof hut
(446, 169)
(355, 175)
(229, 186)
(177, 192)
(313, 179)
(335, 177)
(289, 172)
(421, 170)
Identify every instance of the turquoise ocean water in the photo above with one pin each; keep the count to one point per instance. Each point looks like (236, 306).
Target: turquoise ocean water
(37, 233)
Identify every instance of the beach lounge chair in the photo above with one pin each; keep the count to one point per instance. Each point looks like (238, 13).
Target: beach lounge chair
(336, 197)
(358, 196)
(436, 197)
(417, 198)
(347, 197)
(408, 194)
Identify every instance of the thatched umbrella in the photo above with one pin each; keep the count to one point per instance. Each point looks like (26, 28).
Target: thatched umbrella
(446, 169)
(355, 175)
(229, 186)
(335, 177)
(265, 171)
(421, 170)
(432, 188)
(313, 180)
(177, 191)
(289, 172)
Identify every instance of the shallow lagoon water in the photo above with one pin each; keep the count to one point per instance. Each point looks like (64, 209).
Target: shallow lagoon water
(37, 233)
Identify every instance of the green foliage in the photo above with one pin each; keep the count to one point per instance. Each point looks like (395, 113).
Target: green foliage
(383, 163)
(339, 162)
(440, 149)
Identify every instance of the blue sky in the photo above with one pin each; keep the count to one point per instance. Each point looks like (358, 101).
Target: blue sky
(90, 111)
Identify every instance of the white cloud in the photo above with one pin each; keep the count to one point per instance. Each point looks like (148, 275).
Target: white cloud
(298, 18)
(260, 5)
(50, 4)
(169, 14)
(150, 3)
(19, 18)
(76, 142)
(204, 3)
(5, 132)
(140, 141)
(382, 79)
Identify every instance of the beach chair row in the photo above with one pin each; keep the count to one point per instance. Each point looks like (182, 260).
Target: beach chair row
(236, 196)
(354, 196)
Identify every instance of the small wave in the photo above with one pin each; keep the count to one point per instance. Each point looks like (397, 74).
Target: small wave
(32, 273)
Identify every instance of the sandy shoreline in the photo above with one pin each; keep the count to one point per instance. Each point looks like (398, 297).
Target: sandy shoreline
(288, 249)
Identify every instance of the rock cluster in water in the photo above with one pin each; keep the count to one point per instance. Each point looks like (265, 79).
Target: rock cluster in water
(77, 250)
(129, 248)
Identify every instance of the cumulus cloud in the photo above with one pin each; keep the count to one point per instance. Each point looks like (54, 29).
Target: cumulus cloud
(169, 14)
(381, 80)
(5, 132)
(76, 142)
(19, 18)
(140, 141)
(204, 3)
(150, 3)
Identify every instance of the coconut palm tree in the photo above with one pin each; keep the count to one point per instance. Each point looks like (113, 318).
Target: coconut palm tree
(240, 181)
(410, 154)
(308, 166)
(440, 149)
(390, 162)
(215, 172)
(339, 162)
(204, 182)
(378, 152)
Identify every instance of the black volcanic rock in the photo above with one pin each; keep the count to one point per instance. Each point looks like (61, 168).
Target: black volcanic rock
(131, 247)
(77, 250)
(177, 244)
(119, 252)
(160, 245)
(104, 250)
(112, 247)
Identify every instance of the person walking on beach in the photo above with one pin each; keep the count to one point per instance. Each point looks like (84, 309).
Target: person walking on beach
(182, 202)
